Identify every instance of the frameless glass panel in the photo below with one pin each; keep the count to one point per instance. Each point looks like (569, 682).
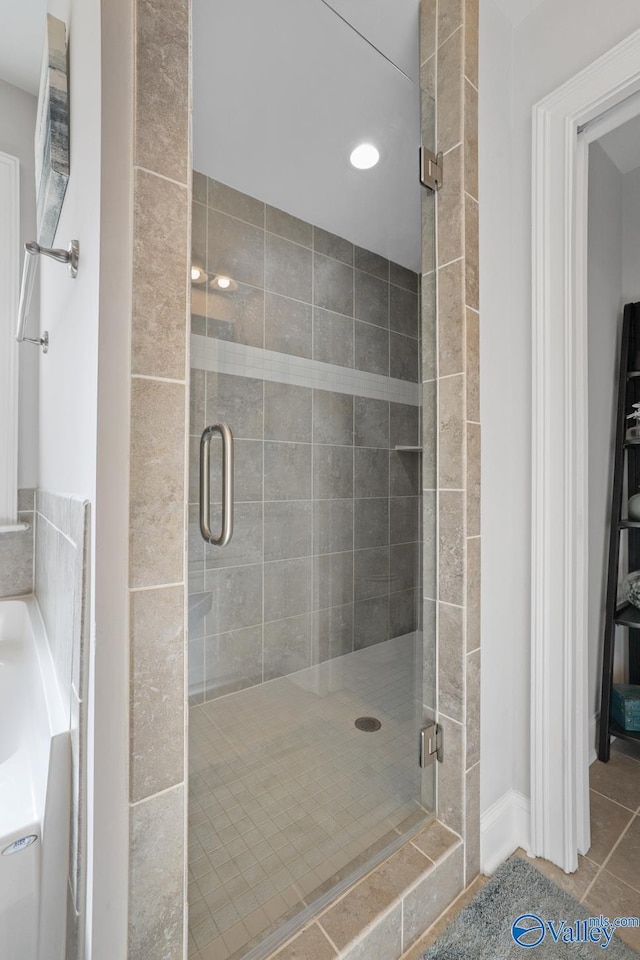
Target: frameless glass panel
(309, 677)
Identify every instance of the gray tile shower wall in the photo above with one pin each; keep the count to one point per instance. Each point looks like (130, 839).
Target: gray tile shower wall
(16, 551)
(325, 557)
(61, 588)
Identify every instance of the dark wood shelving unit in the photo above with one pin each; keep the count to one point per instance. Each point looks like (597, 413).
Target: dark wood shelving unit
(628, 616)
(616, 730)
(626, 463)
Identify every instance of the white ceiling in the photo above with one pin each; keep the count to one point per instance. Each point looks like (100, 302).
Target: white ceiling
(623, 145)
(518, 10)
(21, 42)
(284, 90)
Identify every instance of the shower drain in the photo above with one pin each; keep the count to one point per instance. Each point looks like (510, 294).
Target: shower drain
(368, 724)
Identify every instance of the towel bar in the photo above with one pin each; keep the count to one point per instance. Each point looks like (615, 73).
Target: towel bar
(33, 250)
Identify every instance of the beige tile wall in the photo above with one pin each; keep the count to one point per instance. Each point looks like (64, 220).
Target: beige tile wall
(159, 358)
(449, 71)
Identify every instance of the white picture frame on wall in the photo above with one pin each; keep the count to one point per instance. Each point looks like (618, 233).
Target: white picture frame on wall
(52, 132)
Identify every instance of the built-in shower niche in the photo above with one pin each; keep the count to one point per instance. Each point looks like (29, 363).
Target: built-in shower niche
(309, 620)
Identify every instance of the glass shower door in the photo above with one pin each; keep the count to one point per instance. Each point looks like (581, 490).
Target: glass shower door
(309, 675)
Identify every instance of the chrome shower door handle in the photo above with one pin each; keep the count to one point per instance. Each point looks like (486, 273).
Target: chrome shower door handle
(227, 484)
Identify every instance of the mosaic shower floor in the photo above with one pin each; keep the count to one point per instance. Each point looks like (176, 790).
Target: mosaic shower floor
(286, 795)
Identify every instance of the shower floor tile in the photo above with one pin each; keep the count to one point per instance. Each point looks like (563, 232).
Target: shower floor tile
(285, 794)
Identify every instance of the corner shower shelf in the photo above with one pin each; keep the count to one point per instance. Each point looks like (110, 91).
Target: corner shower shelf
(402, 449)
(629, 524)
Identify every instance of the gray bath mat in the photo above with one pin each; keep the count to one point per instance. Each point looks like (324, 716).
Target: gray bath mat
(485, 929)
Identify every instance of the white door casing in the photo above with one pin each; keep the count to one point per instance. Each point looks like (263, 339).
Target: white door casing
(559, 657)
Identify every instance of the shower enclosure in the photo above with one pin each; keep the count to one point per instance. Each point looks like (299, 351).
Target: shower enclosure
(311, 672)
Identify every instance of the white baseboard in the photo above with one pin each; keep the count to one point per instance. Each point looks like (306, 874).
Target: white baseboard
(506, 825)
(503, 828)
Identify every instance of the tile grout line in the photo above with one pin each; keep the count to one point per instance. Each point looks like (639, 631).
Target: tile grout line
(440, 43)
(159, 793)
(617, 803)
(604, 863)
(143, 376)
(156, 586)
(137, 167)
(322, 929)
(449, 263)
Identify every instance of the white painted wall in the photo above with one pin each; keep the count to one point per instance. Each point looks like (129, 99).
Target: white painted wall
(631, 236)
(70, 312)
(17, 125)
(108, 758)
(553, 43)
(604, 298)
(504, 523)
(69, 308)
(21, 41)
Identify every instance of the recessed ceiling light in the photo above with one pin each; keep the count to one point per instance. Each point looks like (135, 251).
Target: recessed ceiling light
(364, 156)
(222, 282)
(198, 275)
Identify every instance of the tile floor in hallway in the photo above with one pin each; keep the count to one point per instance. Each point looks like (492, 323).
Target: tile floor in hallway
(286, 795)
(608, 878)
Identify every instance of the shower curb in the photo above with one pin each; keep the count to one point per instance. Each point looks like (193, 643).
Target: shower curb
(390, 909)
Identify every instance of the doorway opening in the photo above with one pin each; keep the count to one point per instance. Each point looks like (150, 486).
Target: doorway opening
(563, 665)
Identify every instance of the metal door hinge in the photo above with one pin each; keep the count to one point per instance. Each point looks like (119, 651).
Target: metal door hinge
(431, 173)
(431, 748)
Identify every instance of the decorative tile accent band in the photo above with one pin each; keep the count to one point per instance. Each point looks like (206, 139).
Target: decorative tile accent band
(238, 359)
